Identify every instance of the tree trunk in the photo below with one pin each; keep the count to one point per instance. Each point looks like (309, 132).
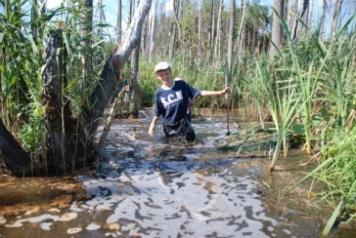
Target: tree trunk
(322, 21)
(174, 28)
(118, 21)
(172, 40)
(336, 17)
(277, 32)
(15, 158)
(88, 22)
(218, 34)
(300, 16)
(104, 92)
(212, 30)
(59, 125)
(242, 28)
(134, 85)
(292, 14)
(152, 30)
(230, 43)
(200, 23)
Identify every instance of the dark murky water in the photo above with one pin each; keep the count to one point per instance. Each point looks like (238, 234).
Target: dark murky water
(153, 189)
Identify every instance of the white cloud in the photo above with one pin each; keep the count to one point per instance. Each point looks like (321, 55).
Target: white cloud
(168, 6)
(54, 3)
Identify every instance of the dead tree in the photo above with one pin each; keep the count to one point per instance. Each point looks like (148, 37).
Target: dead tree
(277, 32)
(15, 158)
(59, 124)
(69, 139)
(230, 43)
(242, 29)
(152, 31)
(217, 53)
(118, 22)
(104, 93)
(134, 85)
(302, 14)
(336, 16)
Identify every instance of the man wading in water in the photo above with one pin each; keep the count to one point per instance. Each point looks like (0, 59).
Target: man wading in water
(172, 102)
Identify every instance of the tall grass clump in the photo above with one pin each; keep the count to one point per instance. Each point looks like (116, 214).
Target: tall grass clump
(313, 83)
(25, 27)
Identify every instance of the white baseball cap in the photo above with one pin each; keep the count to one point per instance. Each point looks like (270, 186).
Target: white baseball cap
(164, 65)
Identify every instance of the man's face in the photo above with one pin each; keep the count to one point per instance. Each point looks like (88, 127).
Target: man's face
(164, 75)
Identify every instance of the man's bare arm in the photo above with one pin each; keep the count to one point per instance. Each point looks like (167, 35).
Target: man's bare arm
(151, 130)
(215, 93)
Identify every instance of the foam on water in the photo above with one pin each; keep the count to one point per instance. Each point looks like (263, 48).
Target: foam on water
(160, 190)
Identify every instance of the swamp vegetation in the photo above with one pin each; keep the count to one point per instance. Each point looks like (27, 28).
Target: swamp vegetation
(61, 73)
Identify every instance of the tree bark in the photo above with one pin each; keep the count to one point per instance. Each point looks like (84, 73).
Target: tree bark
(322, 21)
(174, 28)
(228, 79)
(242, 28)
(218, 34)
(277, 32)
(200, 23)
(14, 156)
(336, 17)
(59, 125)
(118, 21)
(152, 30)
(134, 85)
(300, 16)
(104, 92)
(212, 30)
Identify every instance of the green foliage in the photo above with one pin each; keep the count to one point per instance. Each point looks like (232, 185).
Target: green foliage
(22, 60)
(21, 63)
(340, 175)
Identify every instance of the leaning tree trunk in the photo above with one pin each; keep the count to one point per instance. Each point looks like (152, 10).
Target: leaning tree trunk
(15, 158)
(104, 92)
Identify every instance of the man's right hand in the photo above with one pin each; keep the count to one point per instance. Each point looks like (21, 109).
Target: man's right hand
(151, 131)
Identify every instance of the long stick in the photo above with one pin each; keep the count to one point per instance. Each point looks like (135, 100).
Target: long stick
(227, 115)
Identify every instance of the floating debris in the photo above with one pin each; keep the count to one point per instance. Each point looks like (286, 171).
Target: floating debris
(93, 226)
(54, 210)
(2, 220)
(68, 216)
(74, 230)
(46, 226)
(112, 226)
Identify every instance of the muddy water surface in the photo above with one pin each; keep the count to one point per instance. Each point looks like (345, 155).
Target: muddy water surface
(151, 188)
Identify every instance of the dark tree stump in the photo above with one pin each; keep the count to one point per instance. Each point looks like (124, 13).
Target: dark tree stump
(59, 124)
(15, 158)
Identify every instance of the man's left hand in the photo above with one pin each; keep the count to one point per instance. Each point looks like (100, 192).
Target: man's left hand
(225, 91)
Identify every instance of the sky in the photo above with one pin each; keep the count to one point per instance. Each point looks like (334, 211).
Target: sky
(111, 9)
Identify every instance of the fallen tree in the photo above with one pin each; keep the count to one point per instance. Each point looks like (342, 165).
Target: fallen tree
(69, 141)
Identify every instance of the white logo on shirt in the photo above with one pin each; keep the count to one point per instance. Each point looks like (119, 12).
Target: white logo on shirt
(171, 98)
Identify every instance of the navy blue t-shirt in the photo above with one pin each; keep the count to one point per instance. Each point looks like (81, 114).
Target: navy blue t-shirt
(172, 104)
